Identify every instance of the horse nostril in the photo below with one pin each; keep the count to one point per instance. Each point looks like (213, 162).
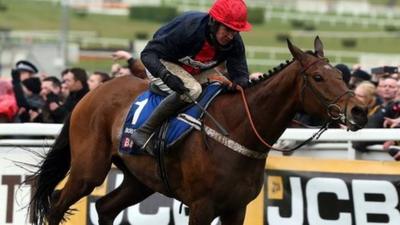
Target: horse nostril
(359, 115)
(359, 111)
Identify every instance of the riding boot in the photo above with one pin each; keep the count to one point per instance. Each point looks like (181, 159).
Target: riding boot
(167, 108)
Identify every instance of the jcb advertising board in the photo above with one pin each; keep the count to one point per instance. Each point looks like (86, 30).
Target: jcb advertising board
(302, 191)
(298, 191)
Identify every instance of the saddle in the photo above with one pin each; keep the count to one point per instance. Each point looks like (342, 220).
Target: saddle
(172, 131)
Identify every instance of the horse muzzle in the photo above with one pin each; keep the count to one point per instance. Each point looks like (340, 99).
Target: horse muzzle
(357, 119)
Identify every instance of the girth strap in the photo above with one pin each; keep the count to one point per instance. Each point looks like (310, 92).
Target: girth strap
(221, 138)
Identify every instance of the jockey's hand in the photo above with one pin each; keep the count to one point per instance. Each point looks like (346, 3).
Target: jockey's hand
(232, 87)
(175, 83)
(221, 79)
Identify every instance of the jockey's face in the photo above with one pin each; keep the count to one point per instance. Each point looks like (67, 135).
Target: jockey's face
(225, 34)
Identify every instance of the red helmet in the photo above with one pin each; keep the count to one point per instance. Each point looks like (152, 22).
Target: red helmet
(231, 13)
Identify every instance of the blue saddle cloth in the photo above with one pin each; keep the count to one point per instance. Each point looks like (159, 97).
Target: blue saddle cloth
(175, 129)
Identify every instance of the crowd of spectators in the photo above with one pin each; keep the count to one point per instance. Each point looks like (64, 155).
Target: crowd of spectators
(381, 93)
(48, 99)
(31, 96)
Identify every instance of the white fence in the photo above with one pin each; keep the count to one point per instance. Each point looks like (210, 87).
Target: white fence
(334, 143)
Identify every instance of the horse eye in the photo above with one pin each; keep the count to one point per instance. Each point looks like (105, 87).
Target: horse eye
(318, 78)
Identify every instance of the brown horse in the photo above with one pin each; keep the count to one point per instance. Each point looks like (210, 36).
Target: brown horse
(213, 182)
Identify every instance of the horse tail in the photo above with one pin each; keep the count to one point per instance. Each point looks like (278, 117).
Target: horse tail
(51, 171)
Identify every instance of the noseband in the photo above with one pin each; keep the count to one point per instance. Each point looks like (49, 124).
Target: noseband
(331, 106)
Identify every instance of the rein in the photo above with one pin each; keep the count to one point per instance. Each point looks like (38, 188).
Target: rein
(246, 106)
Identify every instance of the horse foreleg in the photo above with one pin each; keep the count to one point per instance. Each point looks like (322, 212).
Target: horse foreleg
(234, 217)
(130, 192)
(201, 213)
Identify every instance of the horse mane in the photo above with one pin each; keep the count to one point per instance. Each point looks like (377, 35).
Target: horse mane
(276, 70)
(271, 73)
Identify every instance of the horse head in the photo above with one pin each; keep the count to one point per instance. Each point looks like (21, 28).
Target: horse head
(323, 91)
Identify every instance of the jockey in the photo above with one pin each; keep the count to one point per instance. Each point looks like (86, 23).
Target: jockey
(183, 53)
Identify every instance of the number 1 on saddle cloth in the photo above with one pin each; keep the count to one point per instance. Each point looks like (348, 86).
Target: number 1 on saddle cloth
(145, 103)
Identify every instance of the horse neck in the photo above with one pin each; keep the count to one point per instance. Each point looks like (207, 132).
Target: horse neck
(273, 104)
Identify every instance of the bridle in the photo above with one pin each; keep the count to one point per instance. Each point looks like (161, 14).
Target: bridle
(331, 106)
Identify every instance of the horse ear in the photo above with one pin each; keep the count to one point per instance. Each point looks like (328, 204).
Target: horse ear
(318, 47)
(296, 52)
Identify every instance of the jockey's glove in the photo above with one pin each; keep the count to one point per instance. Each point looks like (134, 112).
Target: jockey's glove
(232, 87)
(174, 82)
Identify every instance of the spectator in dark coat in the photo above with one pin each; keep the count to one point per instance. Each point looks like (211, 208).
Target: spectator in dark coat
(51, 93)
(76, 82)
(27, 95)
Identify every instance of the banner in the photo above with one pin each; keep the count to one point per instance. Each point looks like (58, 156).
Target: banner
(306, 191)
(18, 163)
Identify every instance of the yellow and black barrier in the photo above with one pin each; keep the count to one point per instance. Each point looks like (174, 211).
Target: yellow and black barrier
(297, 191)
